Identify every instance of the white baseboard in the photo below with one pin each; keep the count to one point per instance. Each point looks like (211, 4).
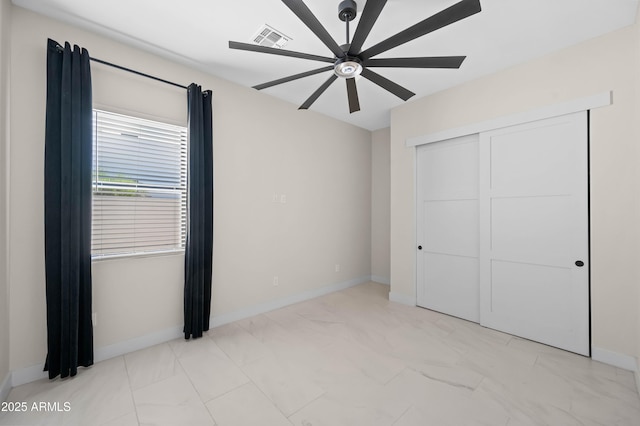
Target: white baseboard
(28, 375)
(626, 362)
(5, 388)
(280, 303)
(132, 345)
(33, 373)
(402, 299)
(380, 280)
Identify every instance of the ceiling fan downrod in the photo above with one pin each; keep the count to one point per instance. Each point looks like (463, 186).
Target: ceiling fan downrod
(347, 11)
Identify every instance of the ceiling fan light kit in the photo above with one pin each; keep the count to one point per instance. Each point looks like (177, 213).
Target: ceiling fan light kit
(348, 67)
(350, 60)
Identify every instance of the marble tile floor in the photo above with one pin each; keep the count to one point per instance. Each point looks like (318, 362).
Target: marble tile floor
(347, 358)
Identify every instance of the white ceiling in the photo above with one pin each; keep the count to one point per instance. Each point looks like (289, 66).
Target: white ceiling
(196, 32)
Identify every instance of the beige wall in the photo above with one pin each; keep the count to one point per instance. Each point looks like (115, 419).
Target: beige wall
(5, 23)
(637, 192)
(602, 64)
(380, 204)
(262, 147)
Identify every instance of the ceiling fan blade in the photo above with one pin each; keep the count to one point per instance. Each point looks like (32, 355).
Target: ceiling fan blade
(387, 84)
(427, 62)
(352, 94)
(458, 11)
(305, 15)
(318, 92)
(369, 17)
(263, 49)
(292, 77)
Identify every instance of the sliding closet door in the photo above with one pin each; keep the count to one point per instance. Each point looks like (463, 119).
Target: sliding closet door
(534, 256)
(447, 212)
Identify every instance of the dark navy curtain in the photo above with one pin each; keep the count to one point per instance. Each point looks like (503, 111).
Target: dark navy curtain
(199, 246)
(67, 210)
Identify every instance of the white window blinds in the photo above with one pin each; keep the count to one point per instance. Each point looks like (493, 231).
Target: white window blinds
(139, 186)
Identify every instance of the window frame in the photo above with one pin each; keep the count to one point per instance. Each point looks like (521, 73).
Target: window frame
(104, 186)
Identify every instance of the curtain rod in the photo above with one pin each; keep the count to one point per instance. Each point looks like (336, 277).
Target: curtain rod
(120, 67)
(138, 73)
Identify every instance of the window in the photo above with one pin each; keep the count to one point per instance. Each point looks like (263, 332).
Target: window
(139, 186)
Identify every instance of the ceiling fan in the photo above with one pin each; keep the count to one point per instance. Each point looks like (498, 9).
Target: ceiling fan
(349, 60)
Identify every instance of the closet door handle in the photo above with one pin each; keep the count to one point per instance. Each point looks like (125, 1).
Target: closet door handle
(579, 263)
(419, 247)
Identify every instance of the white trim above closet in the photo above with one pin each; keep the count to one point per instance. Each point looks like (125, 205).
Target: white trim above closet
(575, 105)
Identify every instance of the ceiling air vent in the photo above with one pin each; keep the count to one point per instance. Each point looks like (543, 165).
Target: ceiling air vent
(270, 37)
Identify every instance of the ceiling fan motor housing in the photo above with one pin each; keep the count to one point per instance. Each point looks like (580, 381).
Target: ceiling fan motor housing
(347, 10)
